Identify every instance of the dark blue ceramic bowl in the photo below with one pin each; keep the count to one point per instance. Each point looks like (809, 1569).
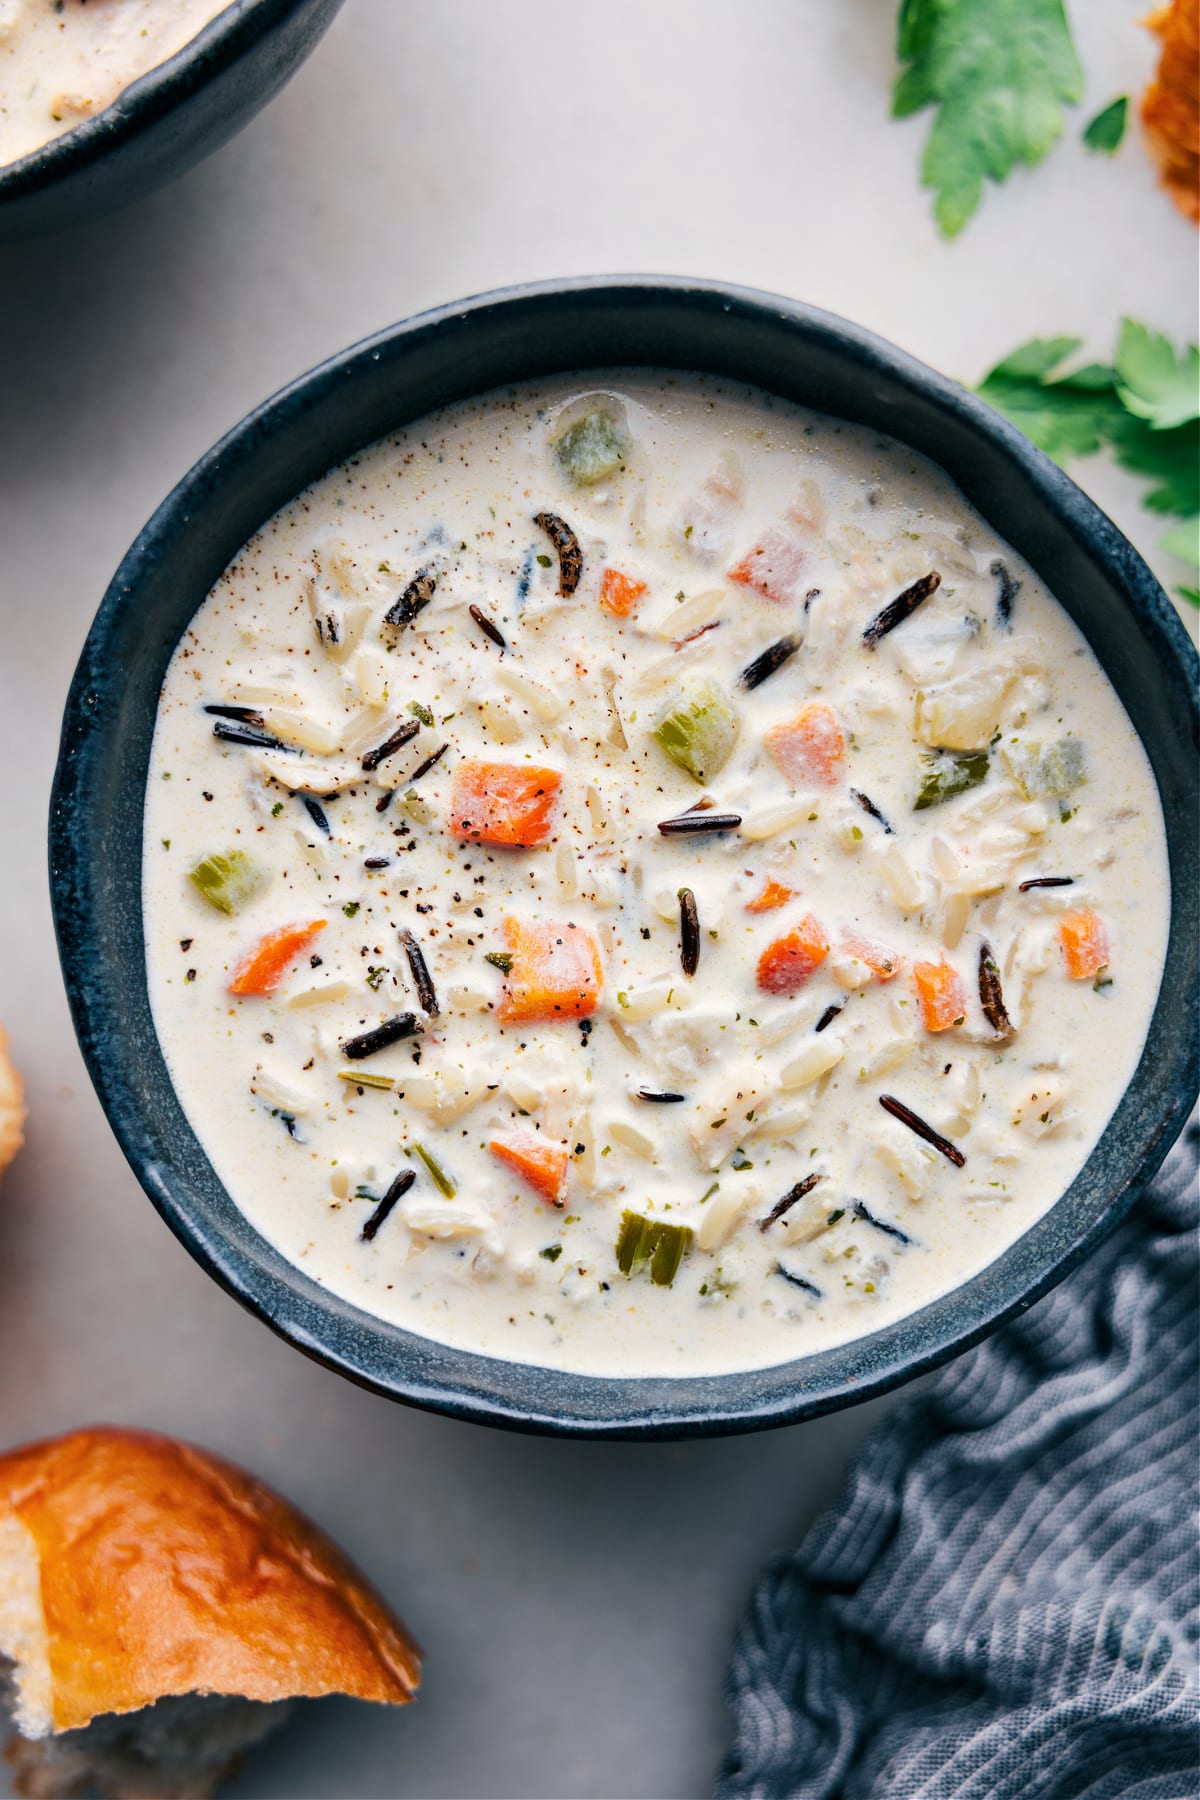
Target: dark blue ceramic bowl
(166, 121)
(96, 816)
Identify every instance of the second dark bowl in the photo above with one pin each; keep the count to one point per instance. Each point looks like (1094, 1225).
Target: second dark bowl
(165, 121)
(448, 355)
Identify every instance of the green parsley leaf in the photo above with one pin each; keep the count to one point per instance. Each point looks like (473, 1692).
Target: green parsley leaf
(1183, 541)
(1146, 411)
(1067, 415)
(1170, 460)
(1103, 134)
(1155, 384)
(998, 72)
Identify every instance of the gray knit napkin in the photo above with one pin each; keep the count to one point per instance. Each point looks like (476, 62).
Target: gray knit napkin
(1003, 1604)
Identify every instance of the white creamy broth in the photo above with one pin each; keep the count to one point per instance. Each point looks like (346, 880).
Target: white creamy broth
(860, 929)
(62, 61)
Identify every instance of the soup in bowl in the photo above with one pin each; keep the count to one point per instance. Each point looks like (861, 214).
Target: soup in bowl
(649, 907)
(101, 101)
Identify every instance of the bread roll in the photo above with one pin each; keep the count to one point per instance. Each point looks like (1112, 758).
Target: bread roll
(1171, 104)
(12, 1108)
(135, 1570)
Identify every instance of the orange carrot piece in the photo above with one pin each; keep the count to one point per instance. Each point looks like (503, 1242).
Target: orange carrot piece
(1085, 943)
(773, 896)
(503, 803)
(940, 992)
(556, 972)
(809, 750)
(261, 971)
(772, 568)
(786, 964)
(883, 963)
(620, 593)
(542, 1165)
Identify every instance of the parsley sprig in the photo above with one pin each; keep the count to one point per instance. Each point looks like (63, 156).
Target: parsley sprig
(1144, 407)
(999, 73)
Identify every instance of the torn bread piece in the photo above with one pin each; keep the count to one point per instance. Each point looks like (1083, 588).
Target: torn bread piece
(159, 1611)
(12, 1108)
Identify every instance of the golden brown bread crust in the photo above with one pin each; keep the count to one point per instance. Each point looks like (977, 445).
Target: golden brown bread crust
(12, 1108)
(165, 1570)
(1171, 104)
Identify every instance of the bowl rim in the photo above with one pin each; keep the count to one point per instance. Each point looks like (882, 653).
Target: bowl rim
(277, 1291)
(226, 37)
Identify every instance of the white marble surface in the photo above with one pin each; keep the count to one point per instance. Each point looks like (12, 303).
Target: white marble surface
(575, 1600)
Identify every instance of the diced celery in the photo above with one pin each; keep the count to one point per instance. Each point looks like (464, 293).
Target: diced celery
(415, 806)
(440, 1178)
(1041, 769)
(698, 730)
(662, 1246)
(948, 775)
(593, 447)
(226, 882)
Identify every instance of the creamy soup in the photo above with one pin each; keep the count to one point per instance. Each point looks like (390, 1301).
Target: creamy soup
(61, 61)
(639, 878)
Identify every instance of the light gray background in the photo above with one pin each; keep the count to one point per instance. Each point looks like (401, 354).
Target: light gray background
(575, 1600)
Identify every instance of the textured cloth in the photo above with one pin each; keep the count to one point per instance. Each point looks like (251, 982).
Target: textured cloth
(1003, 1604)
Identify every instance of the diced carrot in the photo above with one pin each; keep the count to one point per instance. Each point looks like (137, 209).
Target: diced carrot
(773, 567)
(1085, 944)
(786, 964)
(809, 750)
(940, 992)
(261, 971)
(503, 803)
(556, 972)
(542, 1165)
(620, 593)
(886, 964)
(773, 896)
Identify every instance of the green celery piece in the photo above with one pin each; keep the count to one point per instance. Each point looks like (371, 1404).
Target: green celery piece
(1153, 383)
(629, 1240)
(999, 72)
(643, 1241)
(440, 1178)
(699, 730)
(950, 773)
(1104, 133)
(226, 882)
(671, 1244)
(1042, 769)
(415, 806)
(593, 447)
